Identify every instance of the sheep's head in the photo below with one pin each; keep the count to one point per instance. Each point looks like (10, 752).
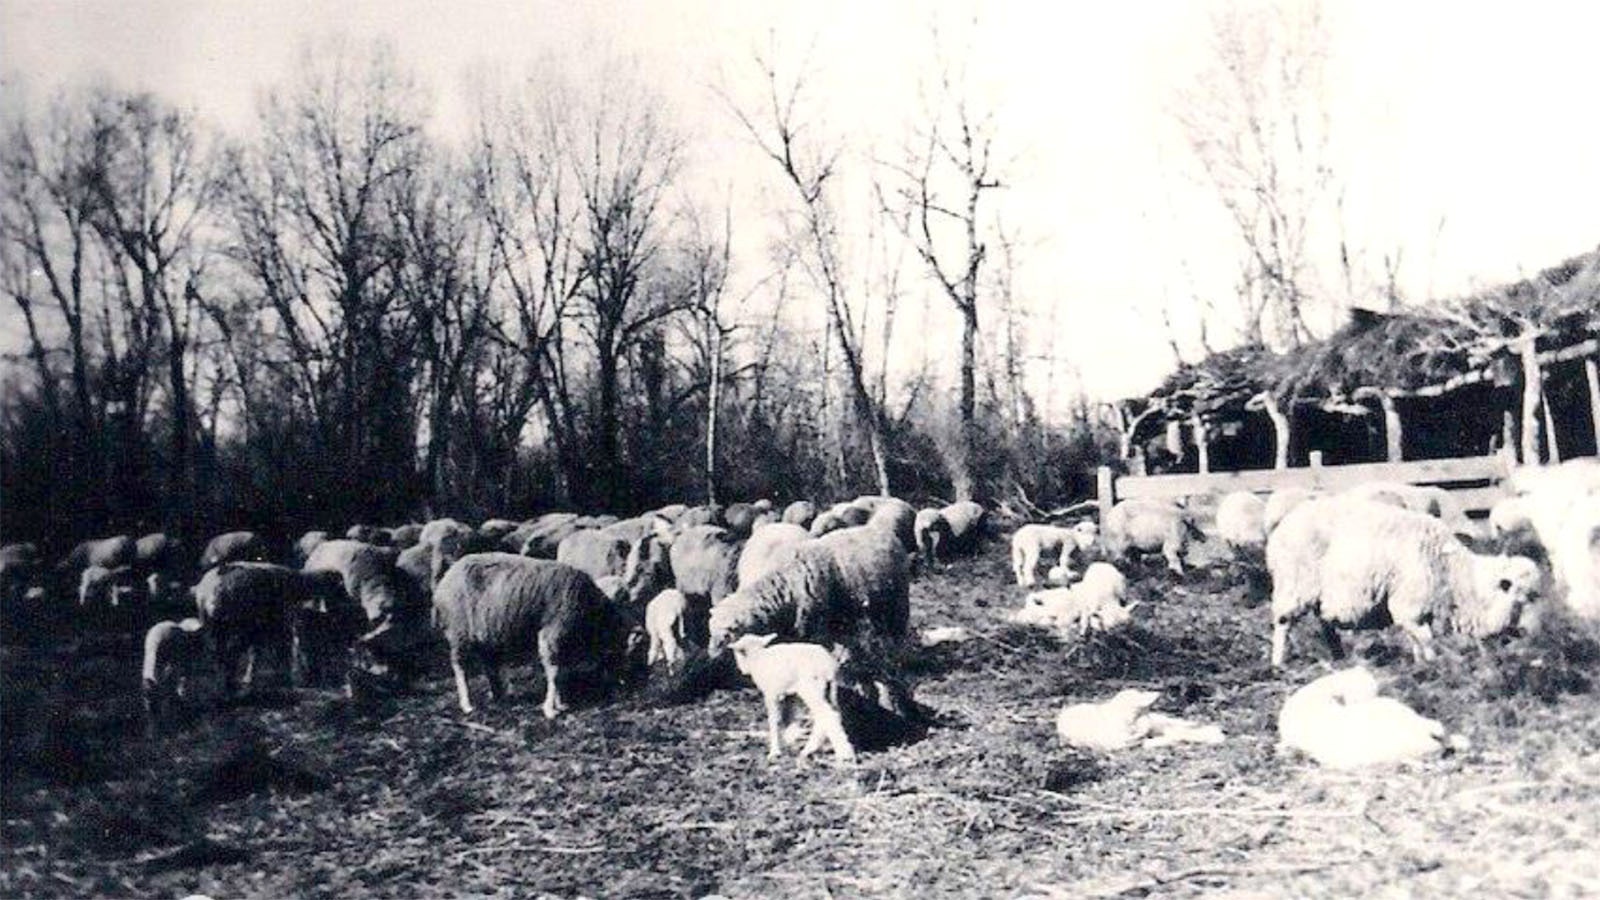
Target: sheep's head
(1108, 616)
(1134, 702)
(745, 645)
(721, 626)
(648, 568)
(1504, 585)
(1085, 533)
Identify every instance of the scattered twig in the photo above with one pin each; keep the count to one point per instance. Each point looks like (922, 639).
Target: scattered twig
(1146, 884)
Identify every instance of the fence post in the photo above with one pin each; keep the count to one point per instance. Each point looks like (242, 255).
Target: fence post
(1105, 484)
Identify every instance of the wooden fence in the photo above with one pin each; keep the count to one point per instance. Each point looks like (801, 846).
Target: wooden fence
(1474, 481)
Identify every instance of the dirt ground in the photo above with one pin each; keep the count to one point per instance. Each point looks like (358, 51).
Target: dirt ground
(313, 795)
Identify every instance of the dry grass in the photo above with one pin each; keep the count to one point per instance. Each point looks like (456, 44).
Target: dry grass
(668, 793)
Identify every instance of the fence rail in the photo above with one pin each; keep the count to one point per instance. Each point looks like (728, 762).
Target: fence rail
(1474, 480)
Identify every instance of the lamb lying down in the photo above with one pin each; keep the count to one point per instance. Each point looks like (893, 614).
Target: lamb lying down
(1094, 604)
(1340, 721)
(807, 671)
(1126, 720)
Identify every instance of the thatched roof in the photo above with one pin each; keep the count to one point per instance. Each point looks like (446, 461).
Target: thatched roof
(1220, 384)
(1388, 351)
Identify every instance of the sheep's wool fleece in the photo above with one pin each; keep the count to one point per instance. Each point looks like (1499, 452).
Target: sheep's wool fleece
(505, 601)
(1340, 722)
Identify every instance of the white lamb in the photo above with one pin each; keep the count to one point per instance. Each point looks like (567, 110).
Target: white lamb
(1031, 544)
(1340, 721)
(665, 620)
(1125, 720)
(806, 671)
(1360, 564)
(1559, 506)
(1241, 520)
(1094, 604)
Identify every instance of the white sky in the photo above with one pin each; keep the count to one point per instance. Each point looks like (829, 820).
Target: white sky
(1482, 116)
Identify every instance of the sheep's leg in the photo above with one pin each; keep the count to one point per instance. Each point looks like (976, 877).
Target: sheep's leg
(1421, 635)
(657, 650)
(1173, 551)
(297, 658)
(1330, 636)
(774, 722)
(491, 670)
(1280, 640)
(553, 704)
(250, 668)
(458, 666)
(1018, 556)
(826, 722)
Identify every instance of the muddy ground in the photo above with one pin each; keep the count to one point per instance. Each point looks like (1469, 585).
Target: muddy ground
(311, 794)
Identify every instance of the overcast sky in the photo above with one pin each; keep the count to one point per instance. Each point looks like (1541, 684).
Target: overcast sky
(1481, 117)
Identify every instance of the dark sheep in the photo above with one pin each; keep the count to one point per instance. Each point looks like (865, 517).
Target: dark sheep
(246, 607)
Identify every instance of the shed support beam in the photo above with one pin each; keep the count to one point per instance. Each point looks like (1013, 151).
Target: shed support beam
(1550, 431)
(1591, 371)
(1202, 451)
(1532, 393)
(1280, 428)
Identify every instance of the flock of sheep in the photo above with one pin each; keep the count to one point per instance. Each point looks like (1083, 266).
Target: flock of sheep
(789, 593)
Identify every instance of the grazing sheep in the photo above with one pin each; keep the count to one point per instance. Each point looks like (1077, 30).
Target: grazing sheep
(932, 531)
(246, 607)
(404, 537)
(1360, 564)
(966, 520)
(648, 568)
(491, 605)
(769, 548)
(630, 530)
(234, 546)
(172, 655)
(806, 671)
(1149, 526)
(1125, 720)
(1280, 503)
(496, 529)
(308, 542)
(1032, 544)
(1241, 520)
(705, 562)
(436, 529)
(594, 552)
(1558, 507)
(107, 553)
(841, 516)
(700, 515)
(740, 518)
(159, 552)
(545, 534)
(1097, 603)
(876, 571)
(666, 620)
(805, 599)
(1425, 499)
(894, 515)
(416, 563)
(100, 588)
(1340, 721)
(800, 512)
(368, 534)
(371, 579)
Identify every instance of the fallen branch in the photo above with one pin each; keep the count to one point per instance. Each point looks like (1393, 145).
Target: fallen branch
(1147, 884)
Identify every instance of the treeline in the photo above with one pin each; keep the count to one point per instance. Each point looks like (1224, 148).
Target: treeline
(339, 318)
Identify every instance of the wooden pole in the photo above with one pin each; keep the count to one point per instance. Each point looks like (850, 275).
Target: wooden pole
(1105, 483)
(1198, 425)
(1393, 432)
(1280, 427)
(1550, 430)
(1591, 371)
(1532, 392)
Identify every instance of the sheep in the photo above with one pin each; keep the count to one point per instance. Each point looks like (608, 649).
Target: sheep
(805, 599)
(700, 515)
(1558, 507)
(670, 512)
(705, 562)
(1097, 603)
(1360, 564)
(896, 516)
(593, 552)
(493, 604)
(369, 534)
(234, 546)
(931, 531)
(1432, 501)
(100, 588)
(107, 553)
(666, 620)
(604, 520)
(740, 518)
(245, 607)
(545, 534)
(1031, 544)
(1340, 722)
(158, 552)
(404, 537)
(416, 563)
(1125, 720)
(436, 529)
(172, 653)
(769, 548)
(1281, 502)
(371, 579)
(806, 671)
(1241, 520)
(966, 520)
(876, 571)
(630, 530)
(496, 529)
(308, 542)
(1149, 526)
(840, 516)
(648, 568)
(800, 512)
(763, 519)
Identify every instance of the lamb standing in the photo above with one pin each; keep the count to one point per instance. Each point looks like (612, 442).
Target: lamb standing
(1360, 564)
(1032, 544)
(1150, 526)
(1241, 520)
(806, 671)
(172, 653)
(491, 605)
(666, 620)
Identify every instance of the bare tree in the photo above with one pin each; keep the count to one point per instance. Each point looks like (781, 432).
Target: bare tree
(813, 229)
(936, 200)
(1256, 121)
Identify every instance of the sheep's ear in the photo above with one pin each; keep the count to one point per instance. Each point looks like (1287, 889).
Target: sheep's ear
(762, 640)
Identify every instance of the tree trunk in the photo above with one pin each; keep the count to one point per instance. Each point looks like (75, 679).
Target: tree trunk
(1393, 433)
(182, 495)
(969, 401)
(606, 444)
(1280, 428)
(713, 400)
(1532, 391)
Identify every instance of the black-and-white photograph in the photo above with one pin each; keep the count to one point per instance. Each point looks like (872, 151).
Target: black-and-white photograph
(709, 450)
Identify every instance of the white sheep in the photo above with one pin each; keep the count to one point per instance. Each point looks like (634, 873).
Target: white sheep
(1356, 563)
(1032, 544)
(491, 605)
(595, 552)
(1559, 507)
(768, 548)
(800, 512)
(1125, 720)
(1426, 499)
(931, 531)
(1340, 721)
(876, 571)
(1094, 604)
(806, 671)
(1281, 502)
(1149, 526)
(234, 546)
(666, 621)
(807, 598)
(172, 653)
(1241, 520)
(966, 520)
